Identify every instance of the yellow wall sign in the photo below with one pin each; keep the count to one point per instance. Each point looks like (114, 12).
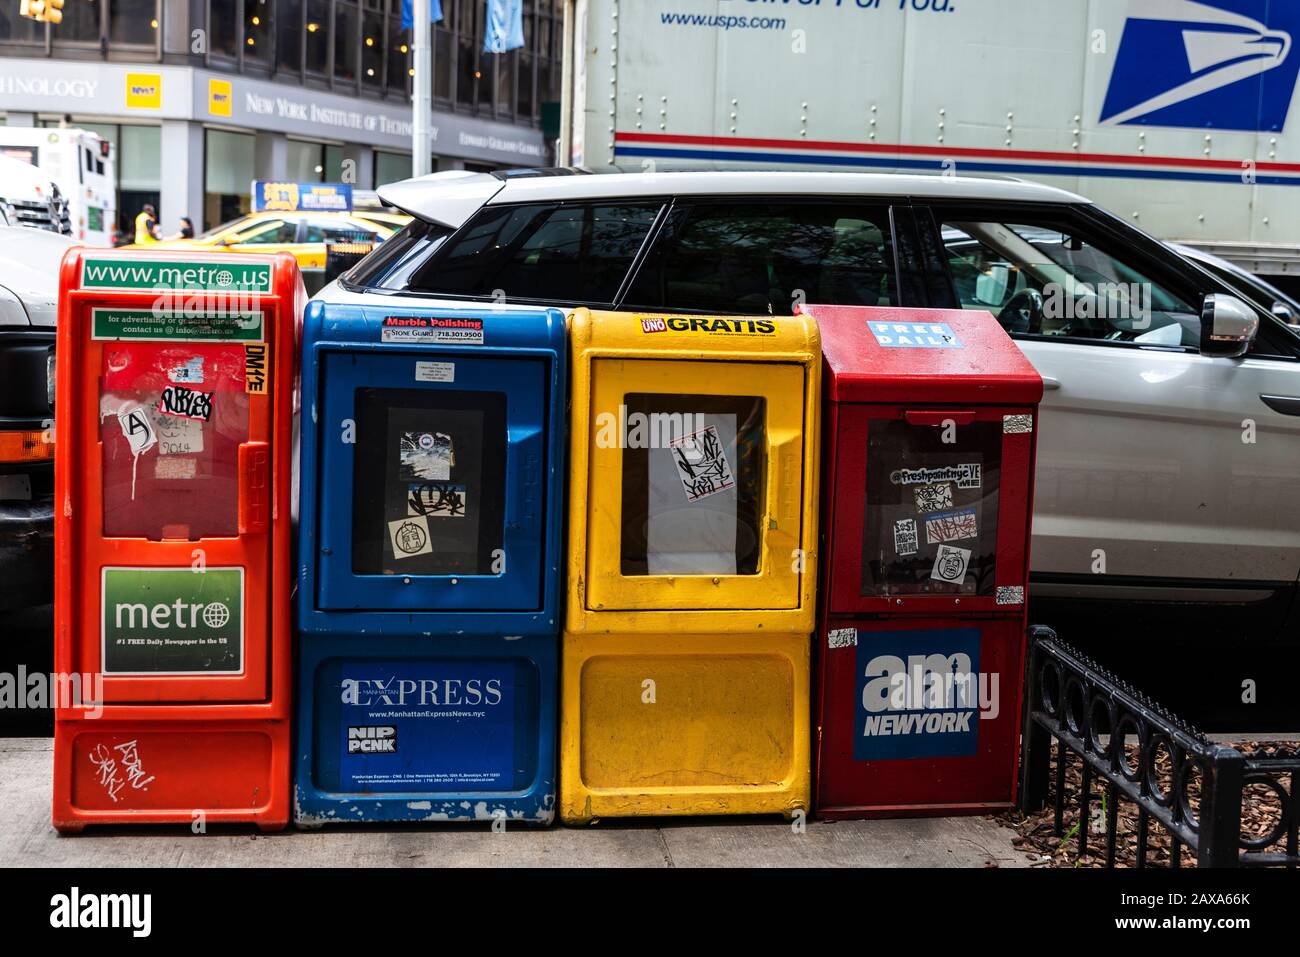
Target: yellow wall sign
(144, 91)
(220, 97)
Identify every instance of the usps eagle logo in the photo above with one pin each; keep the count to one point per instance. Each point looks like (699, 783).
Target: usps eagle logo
(1206, 64)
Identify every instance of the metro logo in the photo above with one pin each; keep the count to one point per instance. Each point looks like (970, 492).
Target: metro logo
(172, 621)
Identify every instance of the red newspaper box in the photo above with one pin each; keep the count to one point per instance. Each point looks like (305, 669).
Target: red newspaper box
(928, 471)
(173, 410)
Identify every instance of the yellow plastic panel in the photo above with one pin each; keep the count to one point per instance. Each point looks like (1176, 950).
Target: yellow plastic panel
(684, 724)
(720, 720)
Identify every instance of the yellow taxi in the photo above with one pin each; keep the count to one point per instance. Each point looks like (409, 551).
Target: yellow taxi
(302, 233)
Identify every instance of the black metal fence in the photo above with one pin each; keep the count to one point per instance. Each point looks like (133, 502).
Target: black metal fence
(1176, 777)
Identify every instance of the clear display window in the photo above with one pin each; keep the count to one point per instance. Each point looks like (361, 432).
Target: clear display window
(694, 477)
(172, 417)
(428, 482)
(931, 509)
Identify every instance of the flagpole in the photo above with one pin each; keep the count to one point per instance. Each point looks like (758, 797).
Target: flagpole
(422, 91)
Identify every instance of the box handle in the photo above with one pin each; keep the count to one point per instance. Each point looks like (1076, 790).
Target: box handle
(254, 487)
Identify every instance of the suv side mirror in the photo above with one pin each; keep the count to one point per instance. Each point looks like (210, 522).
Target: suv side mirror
(1228, 326)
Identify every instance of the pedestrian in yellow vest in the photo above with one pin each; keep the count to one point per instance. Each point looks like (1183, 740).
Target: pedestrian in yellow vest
(146, 225)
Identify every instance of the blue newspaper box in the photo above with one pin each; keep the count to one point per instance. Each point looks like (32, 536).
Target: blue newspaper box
(429, 563)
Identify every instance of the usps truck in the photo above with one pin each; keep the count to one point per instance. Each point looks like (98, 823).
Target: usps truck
(81, 164)
(1176, 114)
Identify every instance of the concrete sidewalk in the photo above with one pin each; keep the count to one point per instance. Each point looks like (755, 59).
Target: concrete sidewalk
(27, 840)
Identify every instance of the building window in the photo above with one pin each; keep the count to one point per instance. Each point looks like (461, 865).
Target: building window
(223, 28)
(399, 56)
(372, 48)
(81, 22)
(444, 56)
(334, 166)
(132, 21)
(391, 167)
(345, 41)
(304, 162)
(318, 37)
(227, 175)
(469, 39)
(506, 65)
(139, 174)
(288, 36)
(257, 30)
(550, 26)
(16, 29)
(525, 102)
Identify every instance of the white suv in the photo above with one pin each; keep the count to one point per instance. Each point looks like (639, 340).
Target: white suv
(1169, 456)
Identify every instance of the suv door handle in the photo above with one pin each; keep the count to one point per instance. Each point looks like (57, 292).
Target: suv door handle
(1050, 384)
(1286, 404)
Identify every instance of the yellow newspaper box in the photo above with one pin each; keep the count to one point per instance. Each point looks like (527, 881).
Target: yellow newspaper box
(692, 565)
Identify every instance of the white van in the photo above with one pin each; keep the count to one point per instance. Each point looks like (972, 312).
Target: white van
(30, 198)
(81, 163)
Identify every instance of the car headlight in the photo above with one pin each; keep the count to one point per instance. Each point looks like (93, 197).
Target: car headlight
(49, 377)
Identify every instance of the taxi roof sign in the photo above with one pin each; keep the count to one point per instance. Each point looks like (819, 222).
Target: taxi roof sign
(281, 197)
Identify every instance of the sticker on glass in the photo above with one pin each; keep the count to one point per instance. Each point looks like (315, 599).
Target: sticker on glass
(175, 468)
(966, 476)
(436, 499)
(951, 526)
(842, 638)
(185, 403)
(933, 498)
(702, 464)
(950, 565)
(255, 368)
(189, 372)
(1011, 594)
(138, 429)
(410, 537)
(179, 436)
(427, 455)
(905, 542)
(139, 434)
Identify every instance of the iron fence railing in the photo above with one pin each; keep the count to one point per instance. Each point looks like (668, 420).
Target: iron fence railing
(1176, 777)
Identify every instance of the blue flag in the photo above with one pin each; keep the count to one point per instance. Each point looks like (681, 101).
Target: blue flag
(505, 26)
(408, 14)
